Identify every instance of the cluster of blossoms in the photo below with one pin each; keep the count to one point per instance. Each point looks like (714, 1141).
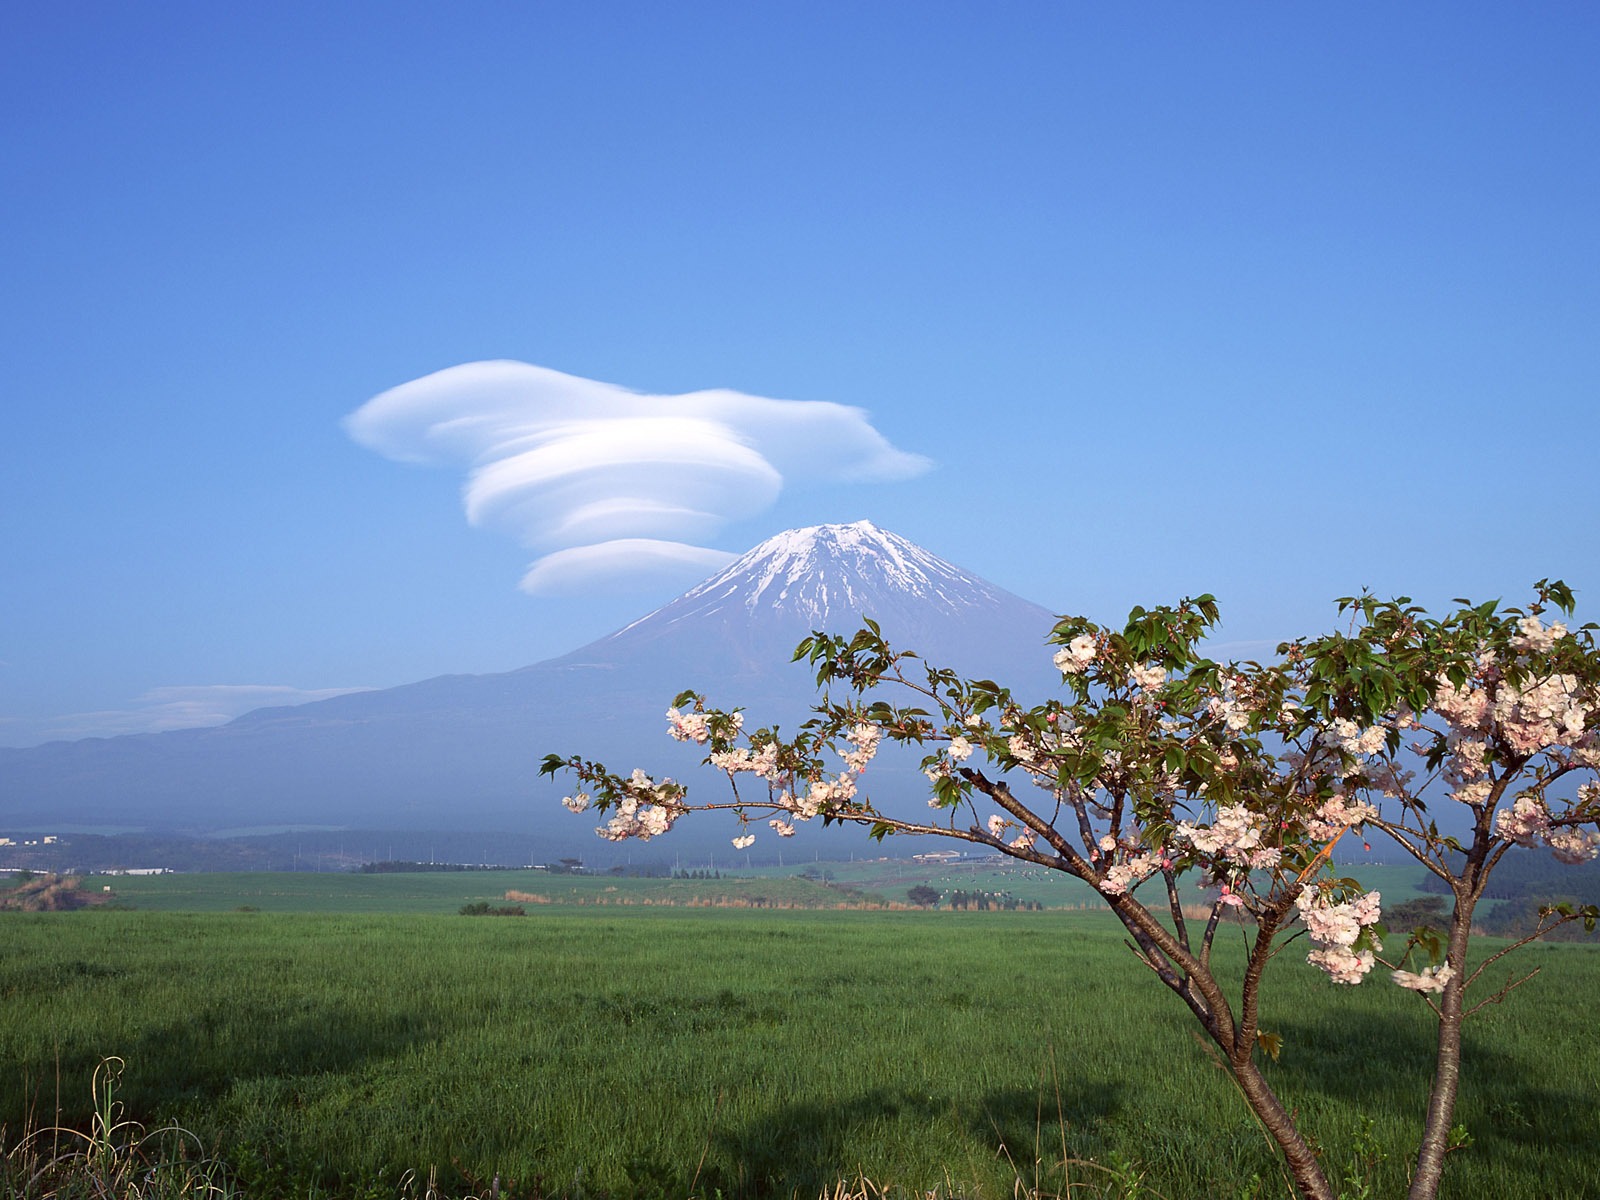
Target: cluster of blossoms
(1533, 637)
(1149, 679)
(1545, 710)
(1074, 658)
(1353, 739)
(1335, 929)
(1528, 823)
(863, 738)
(1233, 838)
(1125, 876)
(1465, 708)
(646, 810)
(763, 762)
(1572, 846)
(693, 727)
(1540, 713)
(821, 795)
(1336, 814)
(1228, 708)
(1034, 750)
(802, 799)
(1548, 712)
(1525, 822)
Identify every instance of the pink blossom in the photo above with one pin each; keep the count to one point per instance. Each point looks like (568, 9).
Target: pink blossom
(1525, 822)
(863, 739)
(1465, 709)
(1337, 814)
(1354, 740)
(688, 727)
(1234, 836)
(1534, 638)
(1124, 877)
(1430, 979)
(1148, 678)
(1334, 930)
(1548, 712)
(1343, 965)
(1573, 846)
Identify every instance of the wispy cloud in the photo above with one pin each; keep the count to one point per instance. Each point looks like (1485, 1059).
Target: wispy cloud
(611, 484)
(162, 709)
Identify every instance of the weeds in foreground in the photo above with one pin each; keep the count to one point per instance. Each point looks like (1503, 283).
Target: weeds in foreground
(115, 1158)
(118, 1159)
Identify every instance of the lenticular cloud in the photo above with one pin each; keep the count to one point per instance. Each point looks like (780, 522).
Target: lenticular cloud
(611, 484)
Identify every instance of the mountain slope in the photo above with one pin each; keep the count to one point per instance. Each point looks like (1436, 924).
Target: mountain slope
(460, 751)
(751, 614)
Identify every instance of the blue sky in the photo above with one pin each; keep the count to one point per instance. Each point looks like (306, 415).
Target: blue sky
(1277, 302)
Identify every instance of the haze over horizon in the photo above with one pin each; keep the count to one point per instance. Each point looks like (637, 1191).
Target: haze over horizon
(354, 347)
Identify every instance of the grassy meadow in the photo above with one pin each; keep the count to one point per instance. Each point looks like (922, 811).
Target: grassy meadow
(648, 1050)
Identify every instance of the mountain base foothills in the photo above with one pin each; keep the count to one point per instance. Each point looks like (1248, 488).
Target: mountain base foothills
(784, 1032)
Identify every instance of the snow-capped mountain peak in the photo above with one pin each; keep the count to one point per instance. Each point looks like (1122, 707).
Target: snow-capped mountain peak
(830, 577)
(826, 572)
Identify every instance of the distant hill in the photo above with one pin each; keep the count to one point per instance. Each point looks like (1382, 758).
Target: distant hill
(459, 752)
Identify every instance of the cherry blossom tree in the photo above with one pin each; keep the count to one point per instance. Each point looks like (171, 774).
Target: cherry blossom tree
(1156, 762)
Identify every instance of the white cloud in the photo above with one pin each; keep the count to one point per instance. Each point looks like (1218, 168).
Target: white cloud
(581, 566)
(165, 708)
(567, 464)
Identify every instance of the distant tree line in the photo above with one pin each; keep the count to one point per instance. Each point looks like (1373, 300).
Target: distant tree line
(401, 867)
(1524, 882)
(991, 902)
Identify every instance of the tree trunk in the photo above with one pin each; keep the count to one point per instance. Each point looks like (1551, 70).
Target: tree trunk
(1447, 1069)
(1309, 1181)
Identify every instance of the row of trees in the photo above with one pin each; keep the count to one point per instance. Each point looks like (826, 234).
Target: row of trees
(1455, 738)
(924, 896)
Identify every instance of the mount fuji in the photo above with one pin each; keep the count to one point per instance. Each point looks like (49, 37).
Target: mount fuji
(459, 752)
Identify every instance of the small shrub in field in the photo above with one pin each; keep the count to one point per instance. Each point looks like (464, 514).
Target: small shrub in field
(482, 908)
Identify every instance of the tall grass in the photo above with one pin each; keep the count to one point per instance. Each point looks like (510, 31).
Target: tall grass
(663, 1052)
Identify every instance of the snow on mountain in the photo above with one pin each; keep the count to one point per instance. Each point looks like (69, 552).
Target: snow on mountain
(827, 571)
(749, 616)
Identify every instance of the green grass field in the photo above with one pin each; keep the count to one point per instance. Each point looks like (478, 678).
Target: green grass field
(447, 891)
(652, 1051)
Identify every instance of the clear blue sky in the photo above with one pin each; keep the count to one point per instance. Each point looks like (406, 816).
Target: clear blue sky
(1275, 301)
